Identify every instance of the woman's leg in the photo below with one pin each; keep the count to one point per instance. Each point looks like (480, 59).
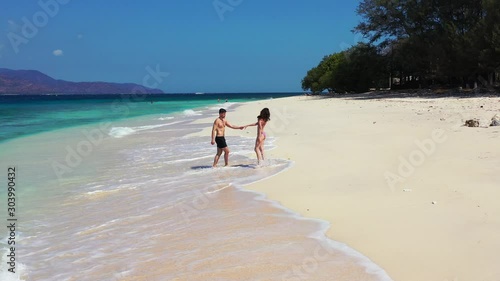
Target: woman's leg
(257, 150)
(261, 149)
(261, 146)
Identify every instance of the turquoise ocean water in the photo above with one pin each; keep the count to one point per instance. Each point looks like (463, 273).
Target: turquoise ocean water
(121, 188)
(22, 115)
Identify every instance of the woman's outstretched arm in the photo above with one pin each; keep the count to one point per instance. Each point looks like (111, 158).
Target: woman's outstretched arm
(253, 124)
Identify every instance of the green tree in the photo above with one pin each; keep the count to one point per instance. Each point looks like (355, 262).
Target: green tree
(488, 39)
(409, 28)
(321, 77)
(363, 68)
(356, 69)
(439, 37)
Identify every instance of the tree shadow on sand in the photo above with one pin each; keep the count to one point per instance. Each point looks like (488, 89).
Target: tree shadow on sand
(401, 94)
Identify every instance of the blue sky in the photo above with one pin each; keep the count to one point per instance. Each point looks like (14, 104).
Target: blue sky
(203, 45)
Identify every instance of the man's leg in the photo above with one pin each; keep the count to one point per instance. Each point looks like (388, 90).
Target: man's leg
(226, 155)
(216, 159)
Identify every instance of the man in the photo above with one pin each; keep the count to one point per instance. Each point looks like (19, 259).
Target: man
(218, 130)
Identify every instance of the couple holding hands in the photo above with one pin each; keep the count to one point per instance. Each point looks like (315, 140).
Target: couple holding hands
(219, 127)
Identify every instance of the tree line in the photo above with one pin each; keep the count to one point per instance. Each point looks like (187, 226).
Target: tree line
(416, 43)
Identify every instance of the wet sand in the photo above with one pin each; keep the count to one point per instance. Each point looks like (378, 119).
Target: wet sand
(399, 179)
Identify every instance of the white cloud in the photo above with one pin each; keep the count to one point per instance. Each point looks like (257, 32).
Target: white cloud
(57, 52)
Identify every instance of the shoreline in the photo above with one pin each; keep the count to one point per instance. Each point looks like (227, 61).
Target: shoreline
(441, 216)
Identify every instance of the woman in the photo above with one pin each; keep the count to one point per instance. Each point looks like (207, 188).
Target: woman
(262, 120)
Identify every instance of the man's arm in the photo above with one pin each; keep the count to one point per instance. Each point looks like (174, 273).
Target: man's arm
(214, 131)
(234, 127)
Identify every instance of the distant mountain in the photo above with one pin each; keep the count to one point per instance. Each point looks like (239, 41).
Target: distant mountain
(35, 82)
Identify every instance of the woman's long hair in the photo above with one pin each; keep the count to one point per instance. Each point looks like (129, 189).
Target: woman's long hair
(264, 114)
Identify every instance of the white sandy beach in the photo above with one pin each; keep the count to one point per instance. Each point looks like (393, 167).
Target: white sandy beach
(399, 179)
